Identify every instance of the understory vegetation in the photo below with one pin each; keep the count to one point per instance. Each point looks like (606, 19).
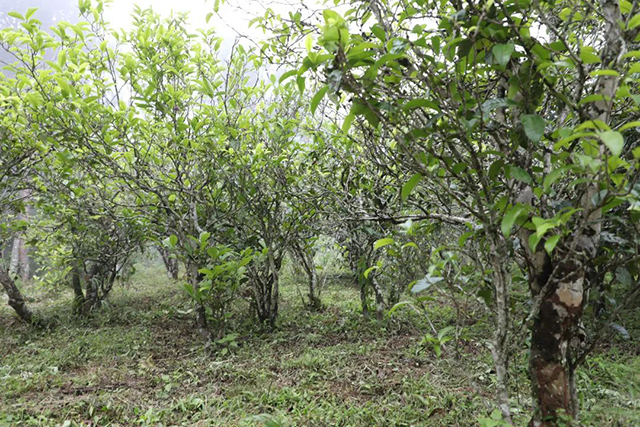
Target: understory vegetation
(139, 362)
(384, 212)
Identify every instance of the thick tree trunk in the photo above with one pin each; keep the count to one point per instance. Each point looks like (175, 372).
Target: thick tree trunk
(16, 301)
(553, 336)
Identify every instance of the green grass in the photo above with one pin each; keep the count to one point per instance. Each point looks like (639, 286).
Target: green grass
(139, 361)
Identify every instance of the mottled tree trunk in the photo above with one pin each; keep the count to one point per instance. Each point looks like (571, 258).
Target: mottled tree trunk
(16, 301)
(266, 289)
(91, 300)
(14, 262)
(553, 336)
(305, 257)
(171, 264)
(501, 284)
(19, 264)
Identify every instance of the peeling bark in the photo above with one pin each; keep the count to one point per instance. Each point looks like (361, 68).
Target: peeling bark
(553, 333)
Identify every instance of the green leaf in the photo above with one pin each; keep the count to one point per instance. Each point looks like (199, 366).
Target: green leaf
(543, 225)
(551, 243)
(552, 177)
(16, 15)
(30, 12)
(346, 125)
(533, 126)
(611, 73)
(173, 240)
(318, 97)
(408, 187)
(519, 174)
(288, 74)
(634, 22)
(369, 270)
(613, 140)
(308, 42)
(510, 218)
(630, 125)
(398, 306)
(425, 283)
(534, 239)
(383, 242)
(588, 56)
(502, 53)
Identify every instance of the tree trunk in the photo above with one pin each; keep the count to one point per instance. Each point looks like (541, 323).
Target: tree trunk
(76, 284)
(16, 301)
(265, 285)
(171, 264)
(14, 263)
(501, 283)
(552, 338)
(358, 267)
(305, 257)
(92, 299)
(377, 291)
(274, 266)
(19, 264)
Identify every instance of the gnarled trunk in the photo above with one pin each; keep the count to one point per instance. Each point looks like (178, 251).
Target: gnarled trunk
(16, 301)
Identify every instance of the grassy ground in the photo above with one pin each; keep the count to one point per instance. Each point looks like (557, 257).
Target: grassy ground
(139, 361)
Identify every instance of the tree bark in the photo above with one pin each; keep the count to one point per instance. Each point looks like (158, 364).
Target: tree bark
(305, 257)
(76, 284)
(91, 300)
(553, 334)
(501, 283)
(171, 264)
(16, 301)
(558, 283)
